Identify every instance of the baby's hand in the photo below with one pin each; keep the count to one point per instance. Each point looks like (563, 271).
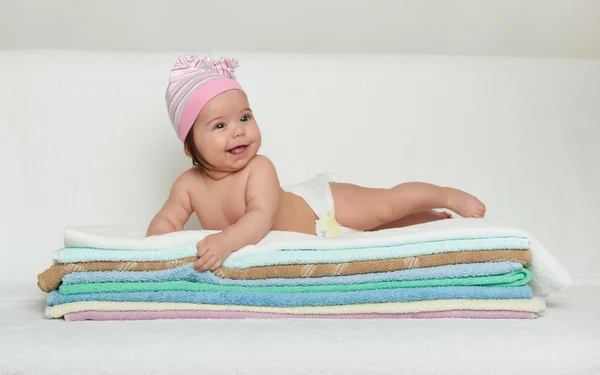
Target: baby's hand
(212, 251)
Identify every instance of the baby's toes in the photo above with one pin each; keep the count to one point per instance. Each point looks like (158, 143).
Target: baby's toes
(479, 212)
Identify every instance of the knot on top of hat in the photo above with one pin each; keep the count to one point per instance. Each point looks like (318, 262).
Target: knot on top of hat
(225, 65)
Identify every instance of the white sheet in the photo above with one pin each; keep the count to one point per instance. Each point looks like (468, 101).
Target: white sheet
(565, 340)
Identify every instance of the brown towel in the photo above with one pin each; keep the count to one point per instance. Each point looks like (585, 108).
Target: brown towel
(371, 266)
(50, 279)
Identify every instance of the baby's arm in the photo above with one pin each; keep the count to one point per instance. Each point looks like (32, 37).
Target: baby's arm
(262, 202)
(175, 212)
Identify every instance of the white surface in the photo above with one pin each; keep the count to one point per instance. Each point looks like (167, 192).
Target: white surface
(85, 139)
(561, 28)
(565, 340)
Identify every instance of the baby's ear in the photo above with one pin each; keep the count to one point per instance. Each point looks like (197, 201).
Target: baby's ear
(187, 150)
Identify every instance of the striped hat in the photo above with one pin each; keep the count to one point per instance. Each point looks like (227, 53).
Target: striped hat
(192, 83)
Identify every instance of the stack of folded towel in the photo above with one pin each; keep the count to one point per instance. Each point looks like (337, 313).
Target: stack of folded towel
(459, 268)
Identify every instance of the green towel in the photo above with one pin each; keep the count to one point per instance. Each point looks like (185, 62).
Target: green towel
(516, 278)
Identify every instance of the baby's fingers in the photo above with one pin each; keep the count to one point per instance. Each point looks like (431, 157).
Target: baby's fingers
(209, 265)
(201, 260)
(201, 248)
(204, 263)
(216, 265)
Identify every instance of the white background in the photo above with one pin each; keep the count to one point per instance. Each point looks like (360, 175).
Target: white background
(554, 28)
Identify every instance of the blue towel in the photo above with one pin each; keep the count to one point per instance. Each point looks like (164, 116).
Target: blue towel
(243, 260)
(187, 273)
(303, 299)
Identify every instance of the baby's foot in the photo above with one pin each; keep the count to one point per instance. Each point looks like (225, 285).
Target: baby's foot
(421, 217)
(431, 215)
(443, 215)
(465, 204)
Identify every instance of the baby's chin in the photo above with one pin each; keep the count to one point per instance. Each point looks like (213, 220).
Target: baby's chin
(237, 159)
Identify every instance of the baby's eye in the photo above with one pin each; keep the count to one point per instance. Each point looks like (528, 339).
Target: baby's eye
(245, 118)
(219, 126)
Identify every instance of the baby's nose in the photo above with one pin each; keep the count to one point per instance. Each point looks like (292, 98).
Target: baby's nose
(239, 131)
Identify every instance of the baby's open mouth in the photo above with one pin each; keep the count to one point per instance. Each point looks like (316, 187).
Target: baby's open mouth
(237, 150)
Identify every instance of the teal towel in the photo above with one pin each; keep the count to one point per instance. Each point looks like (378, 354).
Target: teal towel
(515, 278)
(251, 259)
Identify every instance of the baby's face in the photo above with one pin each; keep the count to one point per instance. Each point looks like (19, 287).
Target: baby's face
(226, 133)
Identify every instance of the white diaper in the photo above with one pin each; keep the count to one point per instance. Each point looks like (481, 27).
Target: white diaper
(317, 193)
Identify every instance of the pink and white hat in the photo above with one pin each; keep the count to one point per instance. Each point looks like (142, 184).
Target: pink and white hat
(192, 83)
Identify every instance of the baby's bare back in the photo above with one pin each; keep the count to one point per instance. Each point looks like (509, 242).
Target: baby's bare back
(219, 204)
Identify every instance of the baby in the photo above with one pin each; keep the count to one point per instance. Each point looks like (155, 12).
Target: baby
(234, 190)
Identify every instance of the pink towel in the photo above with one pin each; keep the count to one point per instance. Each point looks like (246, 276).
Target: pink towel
(181, 314)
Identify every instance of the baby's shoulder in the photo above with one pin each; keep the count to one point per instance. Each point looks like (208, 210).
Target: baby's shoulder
(261, 162)
(191, 177)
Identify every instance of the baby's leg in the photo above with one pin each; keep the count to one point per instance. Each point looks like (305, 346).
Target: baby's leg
(414, 219)
(363, 208)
